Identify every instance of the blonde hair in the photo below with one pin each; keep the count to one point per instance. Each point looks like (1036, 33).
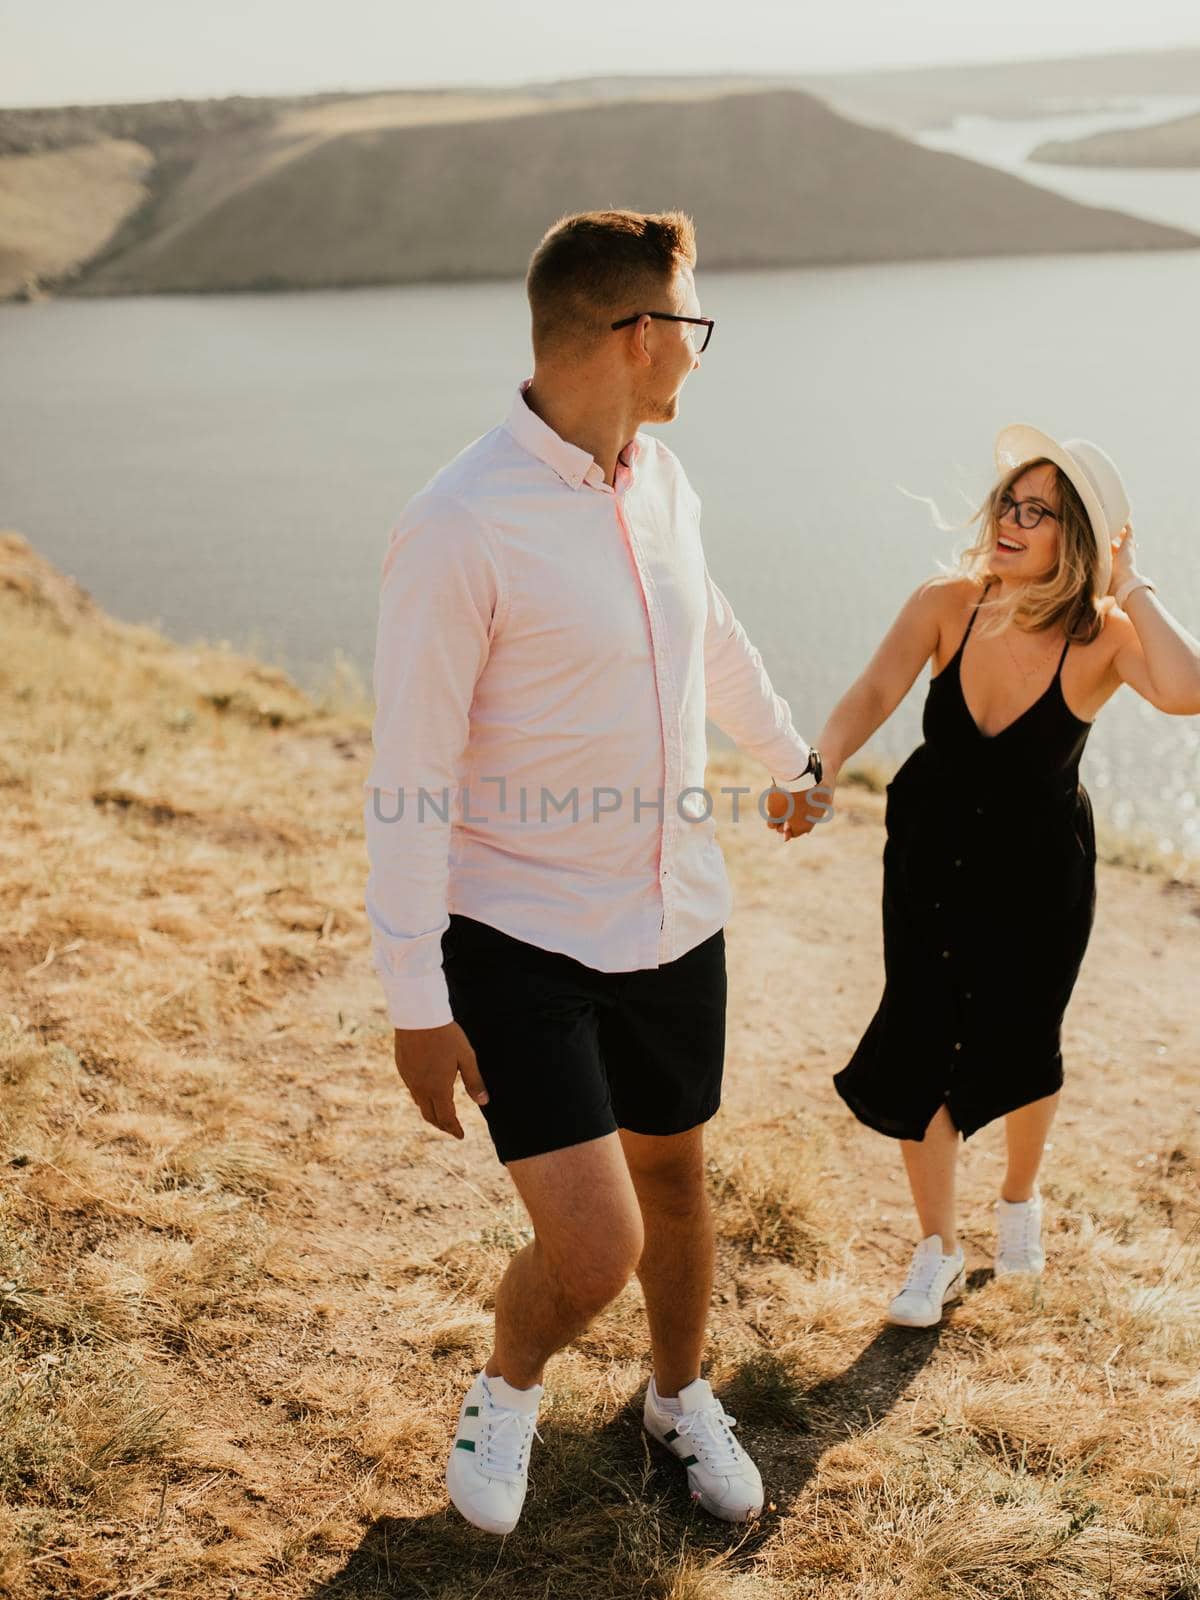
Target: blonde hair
(1064, 594)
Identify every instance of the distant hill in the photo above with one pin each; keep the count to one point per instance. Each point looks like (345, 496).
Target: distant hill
(409, 187)
(913, 98)
(1164, 144)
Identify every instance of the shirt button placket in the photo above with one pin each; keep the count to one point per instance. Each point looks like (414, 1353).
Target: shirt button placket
(663, 683)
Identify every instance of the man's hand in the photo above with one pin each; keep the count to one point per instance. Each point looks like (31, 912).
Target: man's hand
(429, 1060)
(803, 819)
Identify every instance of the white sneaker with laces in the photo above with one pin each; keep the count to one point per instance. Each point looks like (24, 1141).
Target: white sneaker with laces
(488, 1468)
(933, 1279)
(720, 1474)
(1019, 1235)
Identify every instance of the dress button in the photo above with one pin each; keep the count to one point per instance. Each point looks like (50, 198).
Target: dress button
(957, 862)
(958, 1044)
(978, 811)
(937, 905)
(968, 994)
(945, 955)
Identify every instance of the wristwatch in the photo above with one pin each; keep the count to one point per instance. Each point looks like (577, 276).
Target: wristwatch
(814, 766)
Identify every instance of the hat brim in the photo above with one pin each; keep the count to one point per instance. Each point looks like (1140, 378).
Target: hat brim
(1021, 442)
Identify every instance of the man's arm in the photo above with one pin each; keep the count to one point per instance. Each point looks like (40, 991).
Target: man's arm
(741, 700)
(440, 595)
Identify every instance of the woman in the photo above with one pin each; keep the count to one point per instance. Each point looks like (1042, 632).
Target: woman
(989, 860)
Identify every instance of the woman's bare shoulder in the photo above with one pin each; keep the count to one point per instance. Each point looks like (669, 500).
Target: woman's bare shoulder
(951, 597)
(952, 589)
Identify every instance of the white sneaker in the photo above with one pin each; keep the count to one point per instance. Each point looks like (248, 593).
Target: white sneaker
(1019, 1235)
(933, 1279)
(720, 1474)
(488, 1468)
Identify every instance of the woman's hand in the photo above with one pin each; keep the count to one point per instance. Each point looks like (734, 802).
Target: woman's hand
(1124, 558)
(803, 818)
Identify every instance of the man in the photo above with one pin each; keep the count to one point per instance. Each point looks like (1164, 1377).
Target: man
(546, 892)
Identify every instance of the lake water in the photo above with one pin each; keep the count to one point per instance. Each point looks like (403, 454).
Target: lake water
(229, 466)
(1170, 195)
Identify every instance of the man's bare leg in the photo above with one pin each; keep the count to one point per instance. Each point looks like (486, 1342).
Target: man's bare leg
(588, 1237)
(676, 1266)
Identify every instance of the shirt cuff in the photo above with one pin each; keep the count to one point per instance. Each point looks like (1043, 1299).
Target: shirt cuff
(417, 1002)
(789, 756)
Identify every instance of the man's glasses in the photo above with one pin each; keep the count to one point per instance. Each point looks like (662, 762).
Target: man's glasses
(673, 316)
(1026, 513)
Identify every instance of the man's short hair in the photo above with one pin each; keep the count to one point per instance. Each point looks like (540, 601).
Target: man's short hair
(596, 266)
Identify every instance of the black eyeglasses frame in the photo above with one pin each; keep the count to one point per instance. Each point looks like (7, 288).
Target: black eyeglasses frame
(1008, 502)
(671, 316)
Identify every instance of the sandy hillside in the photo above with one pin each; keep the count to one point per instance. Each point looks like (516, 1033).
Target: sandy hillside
(405, 187)
(1165, 144)
(772, 178)
(58, 207)
(242, 1283)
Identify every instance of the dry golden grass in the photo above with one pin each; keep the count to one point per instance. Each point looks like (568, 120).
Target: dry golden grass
(242, 1285)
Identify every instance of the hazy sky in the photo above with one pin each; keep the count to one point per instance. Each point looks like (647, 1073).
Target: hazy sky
(60, 51)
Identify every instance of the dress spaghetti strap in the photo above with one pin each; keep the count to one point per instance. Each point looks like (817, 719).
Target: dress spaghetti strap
(971, 622)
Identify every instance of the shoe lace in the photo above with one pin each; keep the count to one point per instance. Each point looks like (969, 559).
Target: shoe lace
(925, 1267)
(507, 1439)
(708, 1430)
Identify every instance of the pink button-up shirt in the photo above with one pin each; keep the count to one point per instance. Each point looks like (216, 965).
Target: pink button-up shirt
(548, 648)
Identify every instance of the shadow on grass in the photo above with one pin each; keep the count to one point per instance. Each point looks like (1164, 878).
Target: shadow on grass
(608, 1515)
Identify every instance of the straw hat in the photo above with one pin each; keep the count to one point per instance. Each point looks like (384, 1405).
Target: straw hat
(1092, 474)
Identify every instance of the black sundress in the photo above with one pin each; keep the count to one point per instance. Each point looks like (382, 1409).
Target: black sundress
(989, 894)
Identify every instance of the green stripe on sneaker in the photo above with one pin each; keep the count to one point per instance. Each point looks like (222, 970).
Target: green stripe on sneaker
(667, 1437)
(689, 1461)
(464, 1444)
(472, 1411)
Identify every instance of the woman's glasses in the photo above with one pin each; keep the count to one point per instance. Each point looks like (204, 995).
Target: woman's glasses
(1025, 513)
(673, 316)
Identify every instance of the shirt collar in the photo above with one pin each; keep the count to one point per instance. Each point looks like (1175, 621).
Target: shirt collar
(573, 464)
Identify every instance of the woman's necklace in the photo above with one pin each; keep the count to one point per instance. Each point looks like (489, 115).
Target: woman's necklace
(1045, 656)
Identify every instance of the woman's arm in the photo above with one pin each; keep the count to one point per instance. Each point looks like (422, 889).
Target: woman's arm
(1155, 655)
(889, 674)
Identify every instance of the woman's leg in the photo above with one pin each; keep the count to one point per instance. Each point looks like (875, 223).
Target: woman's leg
(931, 1163)
(1025, 1133)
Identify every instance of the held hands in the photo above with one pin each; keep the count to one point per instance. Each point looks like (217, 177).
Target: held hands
(429, 1060)
(1124, 558)
(804, 817)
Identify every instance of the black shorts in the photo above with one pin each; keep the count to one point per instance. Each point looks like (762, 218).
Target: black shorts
(568, 1053)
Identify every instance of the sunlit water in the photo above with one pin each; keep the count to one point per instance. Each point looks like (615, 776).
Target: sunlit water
(1170, 195)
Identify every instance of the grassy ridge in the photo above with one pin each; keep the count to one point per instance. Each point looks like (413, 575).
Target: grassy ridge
(242, 1284)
